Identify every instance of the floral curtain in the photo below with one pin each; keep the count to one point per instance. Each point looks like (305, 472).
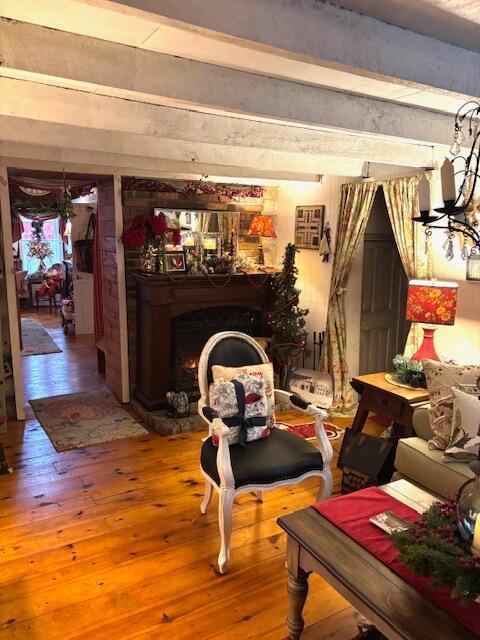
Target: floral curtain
(355, 206)
(401, 197)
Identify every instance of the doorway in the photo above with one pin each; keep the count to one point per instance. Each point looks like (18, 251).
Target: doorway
(383, 328)
(54, 283)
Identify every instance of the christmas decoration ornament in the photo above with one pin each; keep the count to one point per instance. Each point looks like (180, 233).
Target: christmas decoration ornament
(409, 371)
(433, 547)
(287, 319)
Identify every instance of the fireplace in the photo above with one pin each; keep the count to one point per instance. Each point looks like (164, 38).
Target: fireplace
(191, 331)
(175, 318)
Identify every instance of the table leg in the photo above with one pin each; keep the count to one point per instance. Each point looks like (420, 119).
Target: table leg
(297, 594)
(362, 411)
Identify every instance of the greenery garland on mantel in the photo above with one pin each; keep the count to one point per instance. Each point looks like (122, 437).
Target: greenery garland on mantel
(191, 189)
(433, 547)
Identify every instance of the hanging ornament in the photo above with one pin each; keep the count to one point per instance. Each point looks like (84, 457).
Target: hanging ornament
(448, 246)
(428, 233)
(324, 249)
(464, 251)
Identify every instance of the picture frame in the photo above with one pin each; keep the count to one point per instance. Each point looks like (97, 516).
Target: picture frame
(309, 224)
(175, 262)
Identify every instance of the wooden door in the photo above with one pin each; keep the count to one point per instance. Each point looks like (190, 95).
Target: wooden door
(383, 329)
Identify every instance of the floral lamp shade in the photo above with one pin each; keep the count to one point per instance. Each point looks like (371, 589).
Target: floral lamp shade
(262, 227)
(432, 302)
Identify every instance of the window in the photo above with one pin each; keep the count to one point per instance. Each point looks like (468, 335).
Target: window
(52, 236)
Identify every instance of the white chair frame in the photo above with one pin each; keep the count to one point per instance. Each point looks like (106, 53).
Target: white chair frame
(226, 490)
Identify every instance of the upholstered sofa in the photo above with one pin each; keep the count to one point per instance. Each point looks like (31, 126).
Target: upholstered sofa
(414, 461)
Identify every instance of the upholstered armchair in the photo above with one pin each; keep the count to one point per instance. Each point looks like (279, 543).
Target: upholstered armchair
(279, 460)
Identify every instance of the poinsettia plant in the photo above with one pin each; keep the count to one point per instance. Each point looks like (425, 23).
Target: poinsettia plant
(150, 230)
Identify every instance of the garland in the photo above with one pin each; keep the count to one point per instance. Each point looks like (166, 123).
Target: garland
(192, 189)
(433, 547)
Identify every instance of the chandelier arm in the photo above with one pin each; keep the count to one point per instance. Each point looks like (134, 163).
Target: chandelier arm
(467, 231)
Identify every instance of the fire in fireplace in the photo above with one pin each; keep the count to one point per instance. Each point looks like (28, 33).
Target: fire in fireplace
(191, 331)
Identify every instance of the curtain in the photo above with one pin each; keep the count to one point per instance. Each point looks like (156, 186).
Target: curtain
(355, 206)
(17, 224)
(401, 197)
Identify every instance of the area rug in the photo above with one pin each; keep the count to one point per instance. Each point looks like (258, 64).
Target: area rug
(80, 420)
(35, 339)
(307, 431)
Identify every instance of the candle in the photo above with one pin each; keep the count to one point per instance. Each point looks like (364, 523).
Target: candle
(448, 181)
(476, 538)
(210, 244)
(424, 194)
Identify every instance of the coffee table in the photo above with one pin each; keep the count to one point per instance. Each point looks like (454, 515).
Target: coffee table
(398, 610)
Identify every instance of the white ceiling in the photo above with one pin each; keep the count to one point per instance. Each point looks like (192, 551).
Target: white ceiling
(454, 21)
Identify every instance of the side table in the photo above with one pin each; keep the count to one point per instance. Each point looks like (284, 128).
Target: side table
(382, 397)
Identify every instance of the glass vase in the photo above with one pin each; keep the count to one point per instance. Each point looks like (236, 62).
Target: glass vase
(468, 510)
(148, 259)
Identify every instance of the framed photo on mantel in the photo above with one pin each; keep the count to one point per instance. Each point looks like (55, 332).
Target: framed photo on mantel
(309, 222)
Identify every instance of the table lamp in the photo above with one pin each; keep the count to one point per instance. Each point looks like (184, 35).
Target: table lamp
(261, 227)
(431, 302)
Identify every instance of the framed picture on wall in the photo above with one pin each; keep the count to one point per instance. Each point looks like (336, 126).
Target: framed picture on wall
(175, 262)
(309, 221)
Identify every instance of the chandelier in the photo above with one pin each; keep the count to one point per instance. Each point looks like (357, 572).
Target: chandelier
(457, 214)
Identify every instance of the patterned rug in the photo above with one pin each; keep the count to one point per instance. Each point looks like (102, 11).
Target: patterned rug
(307, 431)
(80, 420)
(35, 339)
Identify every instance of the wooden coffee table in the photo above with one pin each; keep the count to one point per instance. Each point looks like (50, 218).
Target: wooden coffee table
(398, 610)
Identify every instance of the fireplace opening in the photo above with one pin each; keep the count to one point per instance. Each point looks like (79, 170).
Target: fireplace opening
(191, 331)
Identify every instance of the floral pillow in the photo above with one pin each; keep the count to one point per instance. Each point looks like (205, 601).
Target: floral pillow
(465, 438)
(262, 371)
(441, 377)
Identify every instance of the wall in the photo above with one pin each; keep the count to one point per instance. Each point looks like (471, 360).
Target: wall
(314, 275)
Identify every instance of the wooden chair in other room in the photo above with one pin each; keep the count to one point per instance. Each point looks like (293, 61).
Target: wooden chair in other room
(281, 459)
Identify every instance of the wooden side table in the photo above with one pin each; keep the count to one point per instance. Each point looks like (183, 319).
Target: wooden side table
(393, 402)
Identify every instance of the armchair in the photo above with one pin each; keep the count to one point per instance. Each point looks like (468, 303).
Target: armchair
(281, 459)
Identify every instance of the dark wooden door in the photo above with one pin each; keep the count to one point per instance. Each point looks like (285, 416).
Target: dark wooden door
(383, 329)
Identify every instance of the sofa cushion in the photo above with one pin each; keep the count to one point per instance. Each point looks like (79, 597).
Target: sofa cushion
(465, 438)
(421, 422)
(424, 466)
(441, 377)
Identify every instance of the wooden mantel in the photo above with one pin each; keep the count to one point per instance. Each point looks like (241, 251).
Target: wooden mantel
(160, 299)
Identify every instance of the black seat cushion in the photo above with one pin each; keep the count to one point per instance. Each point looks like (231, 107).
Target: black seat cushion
(232, 352)
(281, 456)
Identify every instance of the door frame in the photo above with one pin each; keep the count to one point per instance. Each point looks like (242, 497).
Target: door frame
(6, 220)
(10, 274)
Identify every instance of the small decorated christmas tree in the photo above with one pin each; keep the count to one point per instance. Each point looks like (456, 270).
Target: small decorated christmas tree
(287, 319)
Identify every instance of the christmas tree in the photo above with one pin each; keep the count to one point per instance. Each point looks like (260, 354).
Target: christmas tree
(287, 319)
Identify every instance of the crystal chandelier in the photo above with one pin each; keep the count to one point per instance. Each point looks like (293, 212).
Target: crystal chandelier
(457, 215)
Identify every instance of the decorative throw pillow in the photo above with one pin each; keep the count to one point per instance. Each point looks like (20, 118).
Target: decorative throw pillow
(263, 371)
(441, 377)
(242, 405)
(465, 438)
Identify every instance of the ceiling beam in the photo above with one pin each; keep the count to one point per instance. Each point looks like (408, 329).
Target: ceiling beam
(39, 55)
(193, 136)
(300, 41)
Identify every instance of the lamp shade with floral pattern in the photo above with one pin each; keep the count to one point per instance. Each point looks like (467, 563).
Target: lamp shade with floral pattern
(262, 227)
(432, 302)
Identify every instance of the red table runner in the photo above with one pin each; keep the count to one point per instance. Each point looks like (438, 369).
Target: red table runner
(351, 514)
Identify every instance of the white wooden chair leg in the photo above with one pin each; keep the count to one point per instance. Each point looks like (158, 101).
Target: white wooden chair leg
(325, 490)
(207, 497)
(225, 505)
(259, 495)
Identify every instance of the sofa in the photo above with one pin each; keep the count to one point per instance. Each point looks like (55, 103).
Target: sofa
(415, 462)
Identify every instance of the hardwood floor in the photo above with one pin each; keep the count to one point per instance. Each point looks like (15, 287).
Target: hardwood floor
(108, 542)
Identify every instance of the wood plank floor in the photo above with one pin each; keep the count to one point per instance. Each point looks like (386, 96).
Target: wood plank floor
(108, 542)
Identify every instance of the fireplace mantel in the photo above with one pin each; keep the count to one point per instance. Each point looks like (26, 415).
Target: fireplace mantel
(161, 299)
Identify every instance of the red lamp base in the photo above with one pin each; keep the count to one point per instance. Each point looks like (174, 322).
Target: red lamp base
(427, 348)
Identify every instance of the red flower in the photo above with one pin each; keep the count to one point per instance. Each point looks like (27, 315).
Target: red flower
(134, 238)
(176, 236)
(139, 222)
(158, 224)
